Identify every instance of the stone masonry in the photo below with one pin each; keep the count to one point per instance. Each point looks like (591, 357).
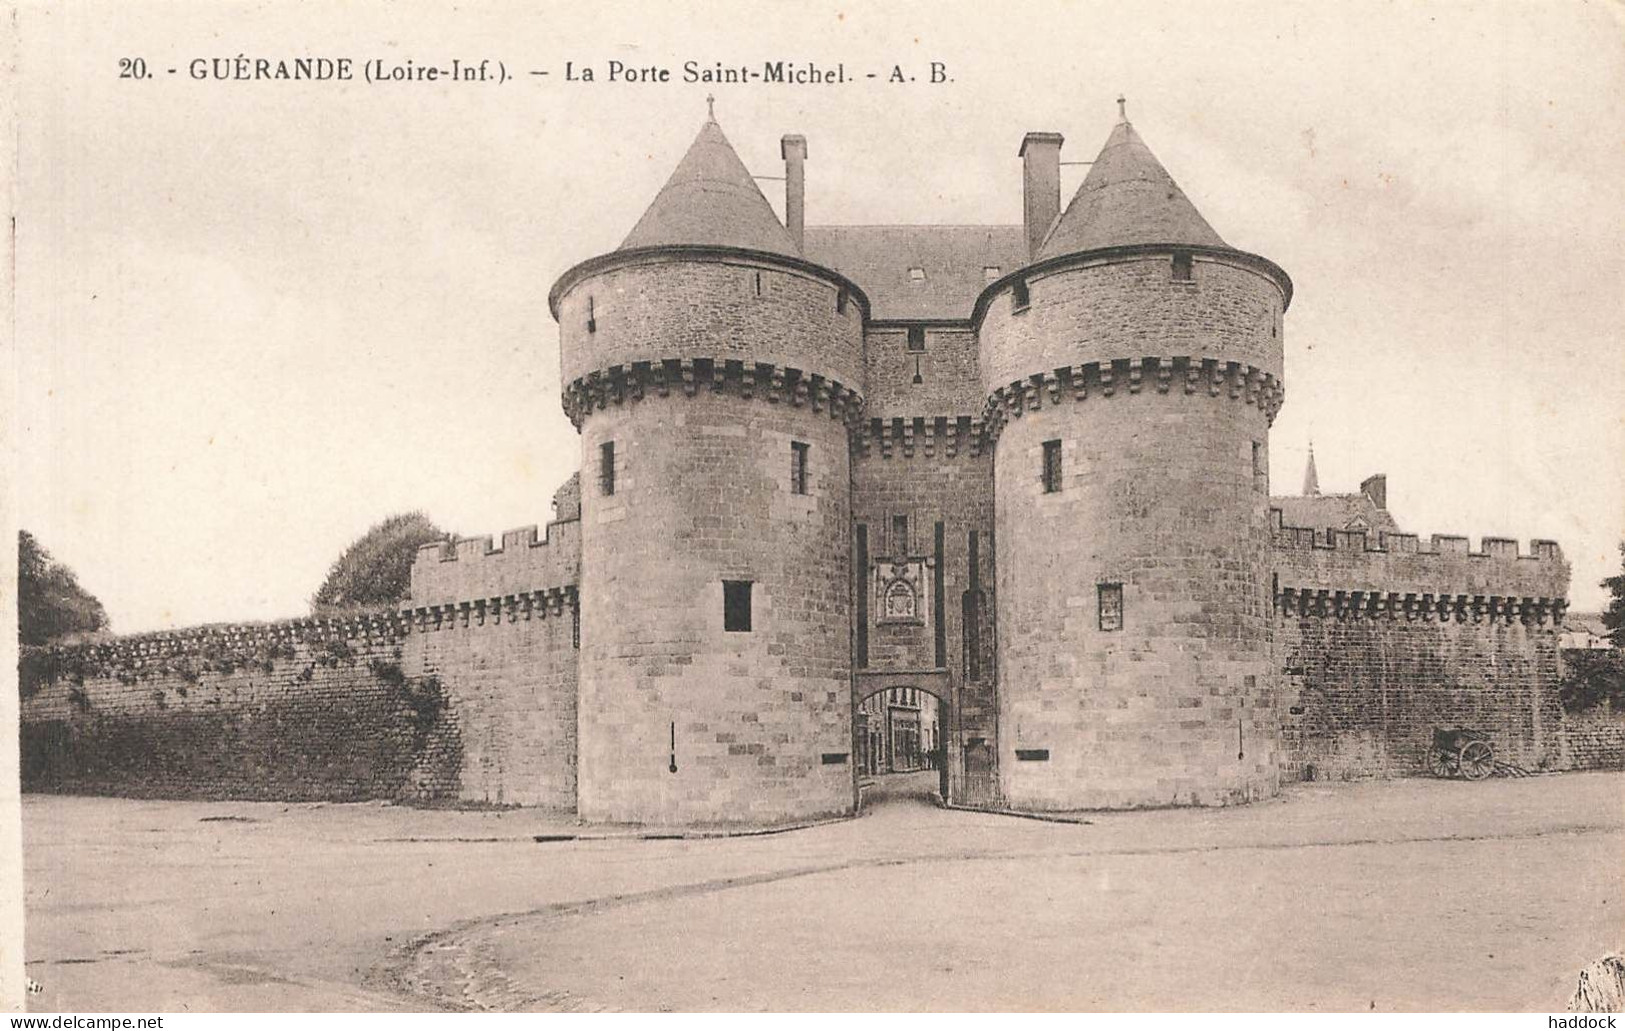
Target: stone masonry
(1023, 468)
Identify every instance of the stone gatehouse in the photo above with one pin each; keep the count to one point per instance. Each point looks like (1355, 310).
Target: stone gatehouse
(1023, 468)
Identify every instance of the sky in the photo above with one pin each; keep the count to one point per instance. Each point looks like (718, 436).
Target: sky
(255, 318)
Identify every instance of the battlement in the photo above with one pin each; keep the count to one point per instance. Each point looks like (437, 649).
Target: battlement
(476, 568)
(223, 646)
(929, 436)
(1443, 565)
(1184, 373)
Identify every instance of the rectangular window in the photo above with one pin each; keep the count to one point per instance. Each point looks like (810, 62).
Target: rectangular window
(990, 273)
(916, 274)
(575, 625)
(1111, 606)
(1182, 267)
(798, 467)
(592, 319)
(1018, 295)
(736, 606)
(606, 468)
(840, 302)
(758, 284)
(899, 536)
(1052, 466)
(916, 338)
(834, 758)
(1032, 755)
(1258, 459)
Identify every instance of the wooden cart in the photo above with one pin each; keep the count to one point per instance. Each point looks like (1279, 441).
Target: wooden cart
(1461, 751)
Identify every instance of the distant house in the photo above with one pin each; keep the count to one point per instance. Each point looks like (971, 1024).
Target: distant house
(1366, 510)
(1585, 630)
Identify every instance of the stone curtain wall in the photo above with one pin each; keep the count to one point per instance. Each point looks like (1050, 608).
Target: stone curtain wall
(510, 677)
(1593, 740)
(1381, 642)
(1364, 694)
(468, 695)
(292, 711)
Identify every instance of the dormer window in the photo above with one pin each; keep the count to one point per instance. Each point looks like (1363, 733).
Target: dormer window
(1182, 267)
(916, 338)
(916, 274)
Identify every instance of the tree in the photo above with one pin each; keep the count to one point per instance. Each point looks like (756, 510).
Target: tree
(50, 602)
(1613, 617)
(375, 571)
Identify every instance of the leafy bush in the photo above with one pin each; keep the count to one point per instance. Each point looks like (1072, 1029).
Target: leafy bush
(1613, 617)
(1592, 678)
(50, 602)
(376, 570)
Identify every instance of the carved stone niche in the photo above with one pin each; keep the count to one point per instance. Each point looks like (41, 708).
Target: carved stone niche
(901, 596)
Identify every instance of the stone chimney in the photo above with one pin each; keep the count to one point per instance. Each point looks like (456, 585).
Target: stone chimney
(1040, 185)
(793, 149)
(1375, 487)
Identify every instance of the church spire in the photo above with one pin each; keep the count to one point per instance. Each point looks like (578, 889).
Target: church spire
(1311, 481)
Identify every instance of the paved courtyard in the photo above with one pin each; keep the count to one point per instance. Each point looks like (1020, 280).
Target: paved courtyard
(1415, 894)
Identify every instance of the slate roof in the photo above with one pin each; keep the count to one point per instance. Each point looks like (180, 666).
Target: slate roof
(1127, 198)
(711, 199)
(953, 259)
(1324, 512)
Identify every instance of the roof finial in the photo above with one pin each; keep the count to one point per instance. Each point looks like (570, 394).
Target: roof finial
(1122, 108)
(710, 108)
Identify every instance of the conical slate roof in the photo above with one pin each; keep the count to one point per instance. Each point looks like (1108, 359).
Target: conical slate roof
(711, 199)
(1127, 198)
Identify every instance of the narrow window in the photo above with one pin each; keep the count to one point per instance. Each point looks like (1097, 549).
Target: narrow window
(916, 338)
(899, 536)
(1018, 295)
(1052, 466)
(1032, 755)
(592, 318)
(840, 302)
(862, 573)
(606, 468)
(1111, 606)
(1258, 459)
(736, 606)
(575, 625)
(1182, 267)
(798, 467)
(916, 274)
(758, 284)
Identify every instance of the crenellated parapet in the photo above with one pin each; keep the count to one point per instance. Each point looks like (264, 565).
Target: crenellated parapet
(1344, 574)
(923, 436)
(1211, 377)
(478, 568)
(774, 384)
(236, 642)
(1326, 603)
(516, 607)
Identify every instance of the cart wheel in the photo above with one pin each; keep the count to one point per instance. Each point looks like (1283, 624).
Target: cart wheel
(1440, 762)
(1477, 760)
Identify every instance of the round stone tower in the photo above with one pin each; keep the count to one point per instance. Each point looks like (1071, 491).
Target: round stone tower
(712, 373)
(1133, 368)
